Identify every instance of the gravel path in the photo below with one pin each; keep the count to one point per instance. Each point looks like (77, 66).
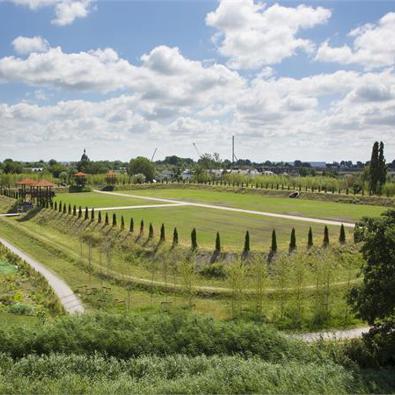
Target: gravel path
(332, 335)
(239, 210)
(67, 297)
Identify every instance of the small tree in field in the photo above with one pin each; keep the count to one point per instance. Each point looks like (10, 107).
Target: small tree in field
(74, 211)
(292, 242)
(79, 212)
(86, 214)
(69, 209)
(60, 206)
(162, 234)
(141, 227)
(342, 236)
(218, 243)
(131, 226)
(273, 248)
(175, 237)
(55, 206)
(150, 232)
(114, 220)
(325, 242)
(64, 209)
(92, 214)
(310, 238)
(99, 218)
(246, 248)
(122, 223)
(193, 240)
(106, 221)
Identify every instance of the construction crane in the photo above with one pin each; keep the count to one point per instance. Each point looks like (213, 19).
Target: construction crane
(153, 155)
(197, 149)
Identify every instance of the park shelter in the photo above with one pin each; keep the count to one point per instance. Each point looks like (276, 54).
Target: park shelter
(80, 178)
(35, 191)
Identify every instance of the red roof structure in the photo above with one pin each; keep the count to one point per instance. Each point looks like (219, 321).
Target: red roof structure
(26, 181)
(44, 184)
(80, 174)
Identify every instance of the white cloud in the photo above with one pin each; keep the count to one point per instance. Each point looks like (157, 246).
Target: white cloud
(66, 11)
(26, 45)
(252, 35)
(373, 46)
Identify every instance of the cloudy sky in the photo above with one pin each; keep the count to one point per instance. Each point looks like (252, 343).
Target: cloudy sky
(291, 80)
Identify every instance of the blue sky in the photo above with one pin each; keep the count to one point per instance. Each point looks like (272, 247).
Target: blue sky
(121, 78)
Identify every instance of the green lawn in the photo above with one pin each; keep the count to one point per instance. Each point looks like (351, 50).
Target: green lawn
(308, 208)
(95, 200)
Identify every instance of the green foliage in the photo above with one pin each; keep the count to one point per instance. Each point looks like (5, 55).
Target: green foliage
(150, 232)
(217, 243)
(79, 211)
(273, 248)
(114, 220)
(141, 165)
(215, 270)
(342, 235)
(131, 226)
(86, 214)
(141, 227)
(246, 247)
(175, 237)
(106, 221)
(325, 242)
(99, 219)
(122, 223)
(92, 214)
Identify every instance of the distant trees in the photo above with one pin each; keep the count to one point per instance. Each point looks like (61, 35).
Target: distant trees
(377, 171)
(141, 165)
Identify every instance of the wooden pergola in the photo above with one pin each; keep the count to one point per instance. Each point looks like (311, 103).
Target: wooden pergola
(80, 178)
(35, 192)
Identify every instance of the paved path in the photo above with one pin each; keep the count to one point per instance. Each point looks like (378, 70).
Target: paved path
(332, 335)
(68, 299)
(9, 215)
(239, 210)
(141, 206)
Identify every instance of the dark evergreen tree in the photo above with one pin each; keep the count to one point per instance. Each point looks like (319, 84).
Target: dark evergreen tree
(79, 212)
(325, 242)
(382, 168)
(273, 248)
(92, 214)
(310, 241)
(217, 243)
(162, 234)
(86, 214)
(131, 226)
(246, 248)
(64, 209)
(142, 227)
(150, 232)
(114, 220)
(374, 169)
(342, 236)
(99, 217)
(194, 240)
(175, 237)
(69, 209)
(106, 220)
(60, 206)
(292, 242)
(122, 223)
(74, 210)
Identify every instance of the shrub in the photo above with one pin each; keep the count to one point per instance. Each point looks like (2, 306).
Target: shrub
(325, 242)
(175, 237)
(273, 248)
(216, 270)
(342, 236)
(131, 226)
(194, 244)
(217, 243)
(292, 242)
(150, 232)
(162, 234)
(246, 247)
(310, 242)
(114, 220)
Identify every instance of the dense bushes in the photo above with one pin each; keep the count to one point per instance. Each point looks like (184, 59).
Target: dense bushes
(171, 374)
(160, 334)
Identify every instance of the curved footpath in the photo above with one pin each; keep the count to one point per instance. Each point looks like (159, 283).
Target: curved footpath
(67, 297)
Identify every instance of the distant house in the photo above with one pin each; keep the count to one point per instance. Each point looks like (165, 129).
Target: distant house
(268, 173)
(166, 175)
(216, 172)
(186, 175)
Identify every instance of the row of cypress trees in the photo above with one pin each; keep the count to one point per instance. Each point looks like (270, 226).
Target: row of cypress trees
(194, 245)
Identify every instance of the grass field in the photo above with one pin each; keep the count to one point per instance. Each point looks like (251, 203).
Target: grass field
(231, 225)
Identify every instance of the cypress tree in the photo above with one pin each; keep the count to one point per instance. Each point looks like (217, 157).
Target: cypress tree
(74, 210)
(310, 238)
(150, 232)
(79, 212)
(374, 169)
(86, 214)
(92, 214)
(193, 240)
(217, 243)
(382, 168)
(162, 234)
(292, 242)
(325, 242)
(64, 209)
(60, 206)
(342, 236)
(106, 221)
(122, 223)
(142, 227)
(114, 220)
(246, 248)
(273, 248)
(131, 226)
(99, 217)
(69, 209)
(175, 237)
